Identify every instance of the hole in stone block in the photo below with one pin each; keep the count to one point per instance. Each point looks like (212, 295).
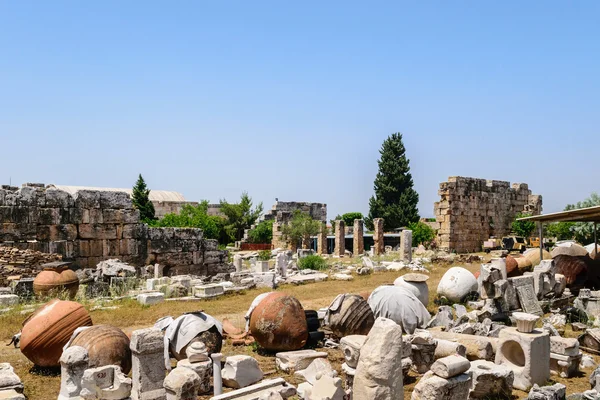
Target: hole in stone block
(513, 352)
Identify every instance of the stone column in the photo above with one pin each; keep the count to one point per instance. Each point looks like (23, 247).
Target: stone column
(73, 363)
(158, 271)
(322, 240)
(379, 247)
(358, 246)
(217, 379)
(340, 244)
(237, 262)
(148, 364)
(406, 245)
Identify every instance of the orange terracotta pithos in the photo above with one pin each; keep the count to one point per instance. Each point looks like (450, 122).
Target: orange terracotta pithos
(278, 323)
(106, 345)
(49, 328)
(353, 317)
(53, 280)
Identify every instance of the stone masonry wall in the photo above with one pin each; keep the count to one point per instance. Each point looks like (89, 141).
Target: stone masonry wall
(282, 213)
(471, 210)
(91, 226)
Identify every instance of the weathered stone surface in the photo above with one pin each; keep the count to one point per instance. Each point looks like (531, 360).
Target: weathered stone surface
(149, 299)
(557, 391)
(351, 346)
(379, 371)
(204, 371)
(291, 361)
(181, 384)
(489, 380)
(107, 382)
(9, 379)
(326, 387)
(477, 347)
(451, 366)
(11, 394)
(73, 363)
(526, 354)
(241, 371)
(319, 366)
(278, 385)
(456, 283)
(148, 365)
(445, 348)
(432, 387)
(564, 346)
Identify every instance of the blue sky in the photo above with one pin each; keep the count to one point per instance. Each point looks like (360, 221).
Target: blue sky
(293, 99)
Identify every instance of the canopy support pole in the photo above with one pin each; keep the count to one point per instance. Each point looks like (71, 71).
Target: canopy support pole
(595, 241)
(541, 231)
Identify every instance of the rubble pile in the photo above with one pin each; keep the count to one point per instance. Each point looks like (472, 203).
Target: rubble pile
(17, 263)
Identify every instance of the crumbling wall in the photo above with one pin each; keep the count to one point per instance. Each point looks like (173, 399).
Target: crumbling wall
(471, 210)
(90, 226)
(282, 213)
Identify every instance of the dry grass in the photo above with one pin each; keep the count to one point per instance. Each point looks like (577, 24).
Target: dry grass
(131, 315)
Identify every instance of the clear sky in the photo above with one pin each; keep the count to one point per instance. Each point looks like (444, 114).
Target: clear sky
(293, 99)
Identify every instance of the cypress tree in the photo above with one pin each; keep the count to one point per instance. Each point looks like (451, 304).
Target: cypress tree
(394, 200)
(141, 200)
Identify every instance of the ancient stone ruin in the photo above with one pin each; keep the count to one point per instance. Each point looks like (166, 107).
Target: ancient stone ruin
(471, 210)
(91, 226)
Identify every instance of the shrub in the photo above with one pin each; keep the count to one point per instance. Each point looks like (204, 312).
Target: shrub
(421, 233)
(312, 262)
(264, 255)
(263, 233)
(523, 228)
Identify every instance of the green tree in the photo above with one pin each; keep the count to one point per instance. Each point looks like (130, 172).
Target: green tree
(395, 199)
(141, 200)
(240, 216)
(421, 233)
(196, 217)
(262, 233)
(583, 232)
(300, 228)
(523, 228)
(560, 230)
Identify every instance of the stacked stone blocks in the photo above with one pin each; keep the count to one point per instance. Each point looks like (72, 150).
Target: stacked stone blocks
(471, 210)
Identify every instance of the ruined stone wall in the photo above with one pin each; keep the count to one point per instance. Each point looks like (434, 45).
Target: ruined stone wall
(471, 210)
(90, 226)
(282, 213)
(162, 208)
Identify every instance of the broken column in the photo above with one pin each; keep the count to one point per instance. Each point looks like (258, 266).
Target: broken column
(198, 361)
(181, 384)
(526, 354)
(217, 380)
(379, 370)
(358, 242)
(406, 245)
(422, 350)
(564, 356)
(447, 380)
(322, 239)
(73, 363)
(237, 262)
(240, 371)
(489, 380)
(340, 238)
(378, 243)
(148, 364)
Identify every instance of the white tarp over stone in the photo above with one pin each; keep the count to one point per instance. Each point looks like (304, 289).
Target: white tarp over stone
(399, 305)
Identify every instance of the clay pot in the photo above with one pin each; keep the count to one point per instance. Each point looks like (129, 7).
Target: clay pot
(49, 328)
(51, 281)
(353, 317)
(106, 345)
(575, 270)
(278, 323)
(211, 338)
(515, 266)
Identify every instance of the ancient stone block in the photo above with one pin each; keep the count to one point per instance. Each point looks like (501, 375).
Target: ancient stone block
(115, 200)
(116, 216)
(148, 365)
(87, 199)
(97, 231)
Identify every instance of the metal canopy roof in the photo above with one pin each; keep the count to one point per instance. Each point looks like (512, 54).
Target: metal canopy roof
(590, 214)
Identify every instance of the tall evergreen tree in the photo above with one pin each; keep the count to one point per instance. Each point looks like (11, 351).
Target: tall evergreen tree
(141, 200)
(394, 200)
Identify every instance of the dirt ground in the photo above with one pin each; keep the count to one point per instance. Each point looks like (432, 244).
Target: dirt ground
(130, 316)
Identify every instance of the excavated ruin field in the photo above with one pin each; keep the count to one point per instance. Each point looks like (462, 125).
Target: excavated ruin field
(130, 315)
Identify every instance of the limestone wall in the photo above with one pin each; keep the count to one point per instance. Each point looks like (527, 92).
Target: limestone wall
(90, 226)
(471, 210)
(282, 213)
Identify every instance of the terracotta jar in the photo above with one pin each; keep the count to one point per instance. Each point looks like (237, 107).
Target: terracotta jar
(278, 323)
(106, 345)
(49, 328)
(353, 317)
(52, 280)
